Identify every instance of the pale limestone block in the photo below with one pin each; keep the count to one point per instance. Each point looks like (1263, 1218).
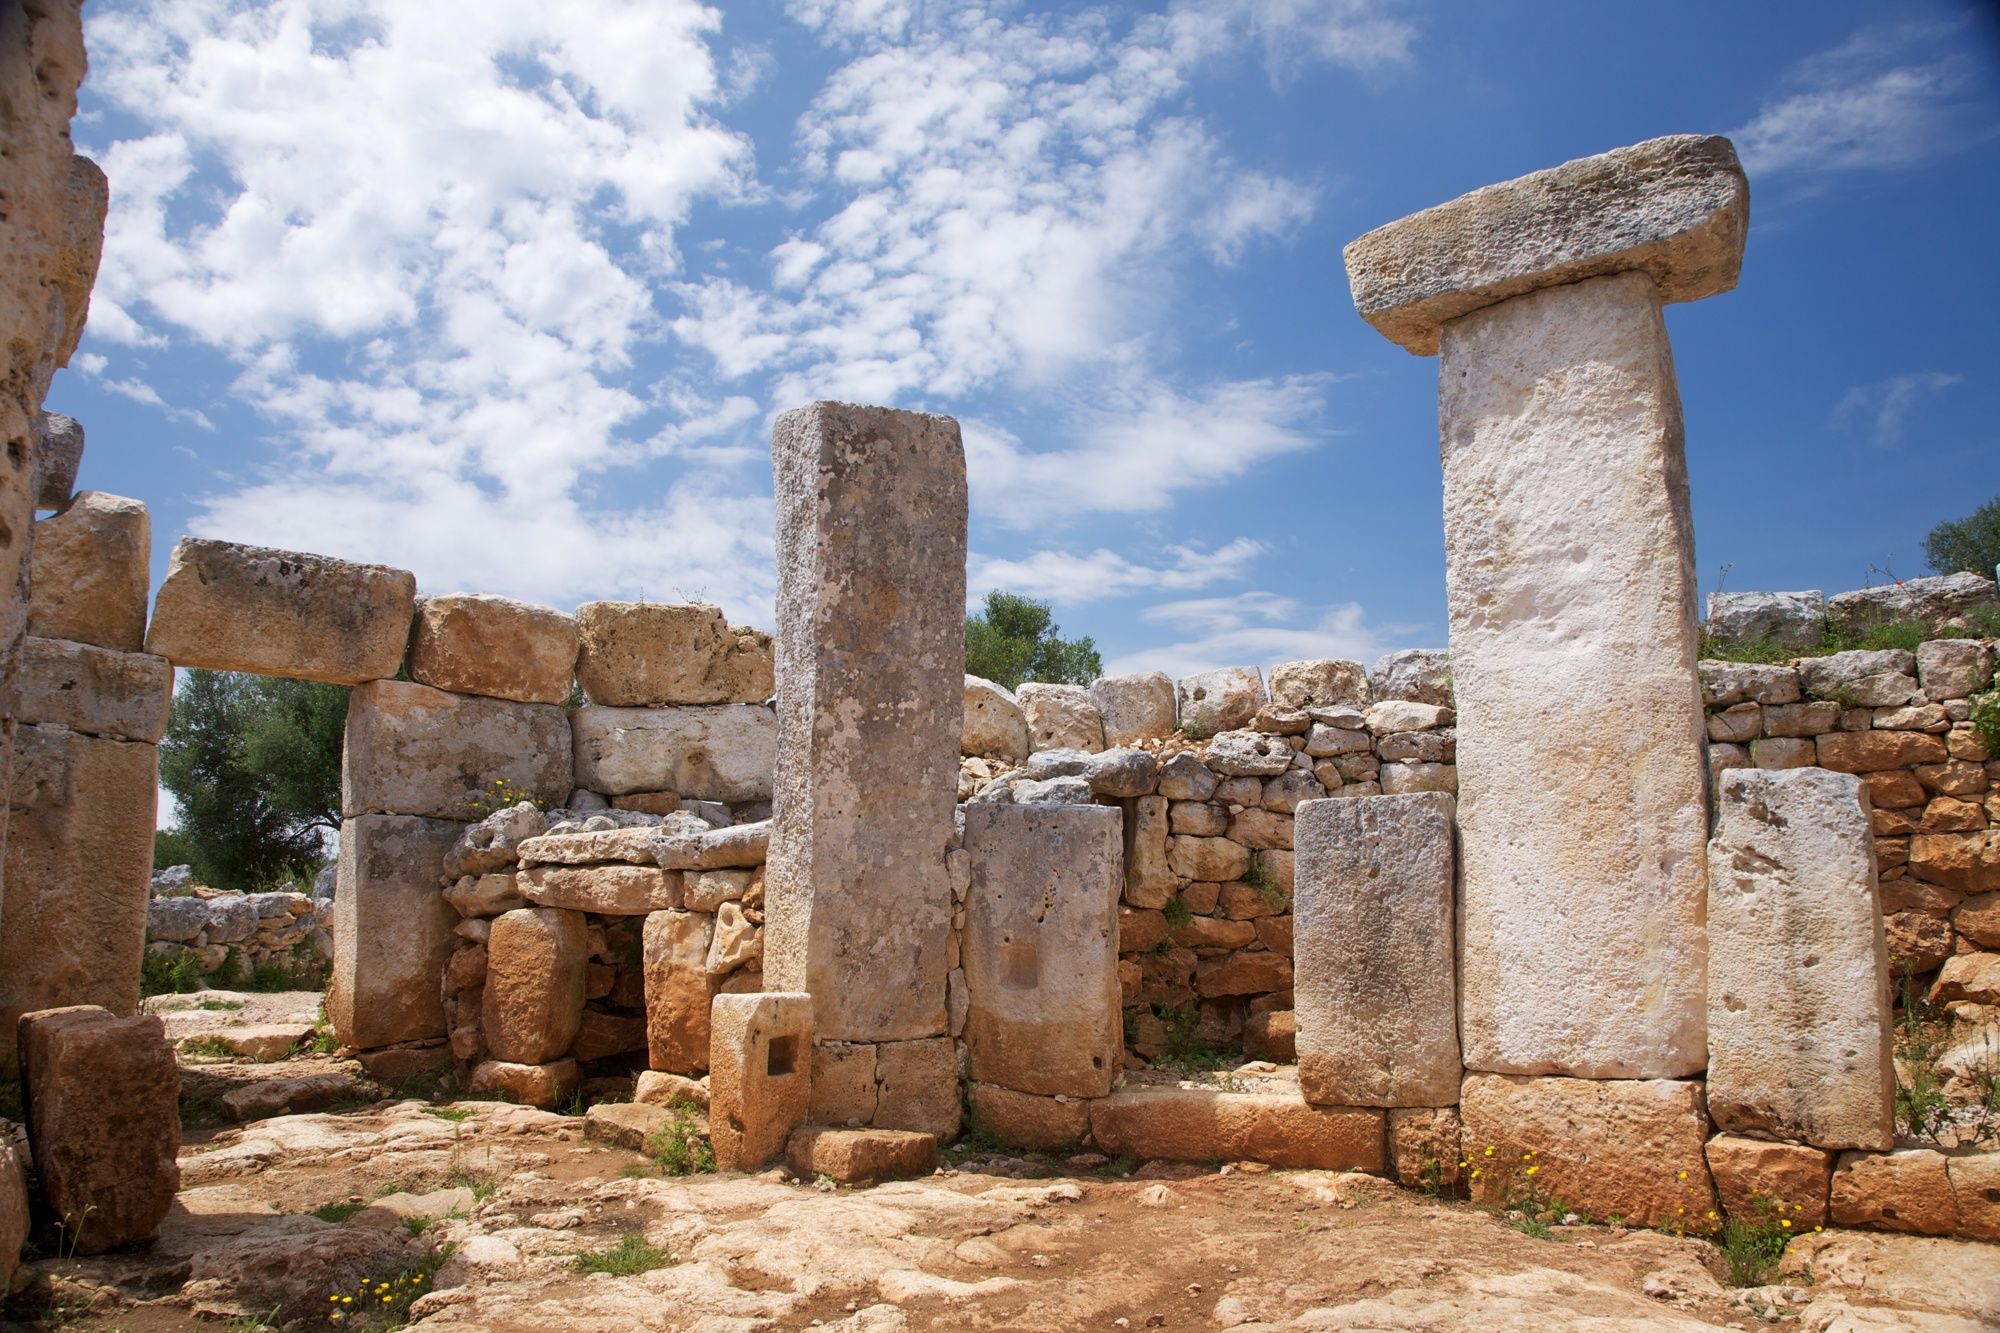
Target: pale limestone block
(1149, 878)
(994, 724)
(710, 889)
(1420, 675)
(228, 607)
(1040, 947)
(1933, 600)
(1947, 668)
(81, 812)
(1799, 1031)
(1673, 209)
(476, 643)
(644, 654)
(1782, 752)
(1862, 678)
(1218, 701)
(1135, 708)
(610, 890)
(1393, 715)
(1796, 619)
(1570, 574)
(1322, 682)
(98, 691)
(1801, 719)
(392, 930)
(916, 1086)
(1722, 756)
(533, 1003)
(1374, 983)
(413, 750)
(1060, 717)
(722, 753)
(736, 941)
(58, 456)
(1725, 683)
(91, 573)
(843, 1083)
(1736, 724)
(1633, 1147)
(678, 990)
(871, 596)
(1404, 779)
(759, 1075)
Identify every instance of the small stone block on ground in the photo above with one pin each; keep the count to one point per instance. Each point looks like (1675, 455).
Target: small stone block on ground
(102, 1095)
(760, 1075)
(1760, 1181)
(1025, 1121)
(625, 1124)
(228, 607)
(545, 1086)
(1197, 1125)
(1906, 1190)
(851, 1156)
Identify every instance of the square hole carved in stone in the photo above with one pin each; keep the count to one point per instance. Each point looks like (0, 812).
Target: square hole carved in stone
(1020, 966)
(781, 1057)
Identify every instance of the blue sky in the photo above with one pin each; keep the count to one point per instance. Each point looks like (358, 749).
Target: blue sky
(507, 293)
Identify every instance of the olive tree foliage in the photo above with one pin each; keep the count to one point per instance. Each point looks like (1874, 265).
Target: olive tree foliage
(253, 763)
(1970, 543)
(1014, 639)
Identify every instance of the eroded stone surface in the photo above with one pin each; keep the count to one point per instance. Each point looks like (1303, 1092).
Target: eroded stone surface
(994, 724)
(533, 1002)
(1040, 947)
(1196, 1124)
(476, 643)
(229, 607)
(1799, 1032)
(1675, 209)
(1373, 976)
(871, 594)
(91, 573)
(392, 930)
(98, 691)
(1217, 701)
(678, 990)
(1907, 1190)
(644, 654)
(721, 753)
(1136, 707)
(1760, 1181)
(760, 1072)
(413, 750)
(1570, 574)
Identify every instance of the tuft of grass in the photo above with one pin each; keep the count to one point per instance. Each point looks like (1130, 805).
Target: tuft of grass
(1194, 731)
(1178, 913)
(176, 974)
(1531, 1224)
(451, 1113)
(1986, 721)
(631, 1256)
(1259, 878)
(207, 1045)
(678, 1145)
(203, 1110)
(1752, 1246)
(337, 1212)
(1117, 1167)
(221, 1006)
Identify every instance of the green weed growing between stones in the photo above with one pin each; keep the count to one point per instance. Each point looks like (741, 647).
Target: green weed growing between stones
(632, 1255)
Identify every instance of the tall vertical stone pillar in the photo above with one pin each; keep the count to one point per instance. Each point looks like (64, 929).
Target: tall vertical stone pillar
(871, 669)
(1570, 573)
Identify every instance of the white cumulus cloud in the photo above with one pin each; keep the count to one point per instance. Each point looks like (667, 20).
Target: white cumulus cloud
(1258, 629)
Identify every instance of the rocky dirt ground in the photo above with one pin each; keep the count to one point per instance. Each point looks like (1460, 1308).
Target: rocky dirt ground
(484, 1216)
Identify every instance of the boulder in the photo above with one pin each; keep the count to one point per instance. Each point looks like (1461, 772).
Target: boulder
(1123, 773)
(103, 1106)
(1322, 681)
(722, 753)
(1968, 976)
(546, 1086)
(1185, 778)
(91, 572)
(1198, 1125)
(1783, 619)
(1963, 862)
(644, 654)
(1954, 668)
(533, 1003)
(1217, 701)
(625, 1125)
(1397, 715)
(739, 846)
(1419, 675)
(1633, 1147)
(413, 750)
(494, 842)
(1248, 754)
(485, 895)
(1931, 600)
(1060, 717)
(476, 643)
(656, 1088)
(1214, 859)
(994, 724)
(97, 691)
(286, 1096)
(228, 607)
(1135, 708)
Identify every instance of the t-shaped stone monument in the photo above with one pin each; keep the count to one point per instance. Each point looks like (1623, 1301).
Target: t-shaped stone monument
(1570, 571)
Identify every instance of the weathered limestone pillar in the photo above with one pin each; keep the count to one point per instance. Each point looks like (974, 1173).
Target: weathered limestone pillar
(392, 930)
(1799, 1030)
(1372, 951)
(871, 671)
(1040, 947)
(759, 1072)
(1570, 572)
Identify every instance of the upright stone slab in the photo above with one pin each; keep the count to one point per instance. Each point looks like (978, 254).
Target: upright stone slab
(871, 668)
(90, 573)
(1040, 947)
(102, 1095)
(228, 607)
(1373, 979)
(759, 1075)
(678, 990)
(532, 1003)
(1570, 574)
(413, 750)
(79, 864)
(392, 930)
(1799, 1029)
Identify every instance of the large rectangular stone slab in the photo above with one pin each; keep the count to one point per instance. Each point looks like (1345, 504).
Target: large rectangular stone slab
(1570, 575)
(229, 607)
(1675, 208)
(1040, 947)
(532, 1003)
(103, 1106)
(392, 930)
(759, 1075)
(645, 654)
(1633, 1147)
(97, 691)
(90, 572)
(1374, 982)
(678, 990)
(1799, 1029)
(413, 750)
(1198, 1125)
(79, 865)
(726, 752)
(871, 672)
(476, 643)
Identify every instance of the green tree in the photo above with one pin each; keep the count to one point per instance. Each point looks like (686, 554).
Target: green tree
(1016, 638)
(254, 766)
(1972, 542)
